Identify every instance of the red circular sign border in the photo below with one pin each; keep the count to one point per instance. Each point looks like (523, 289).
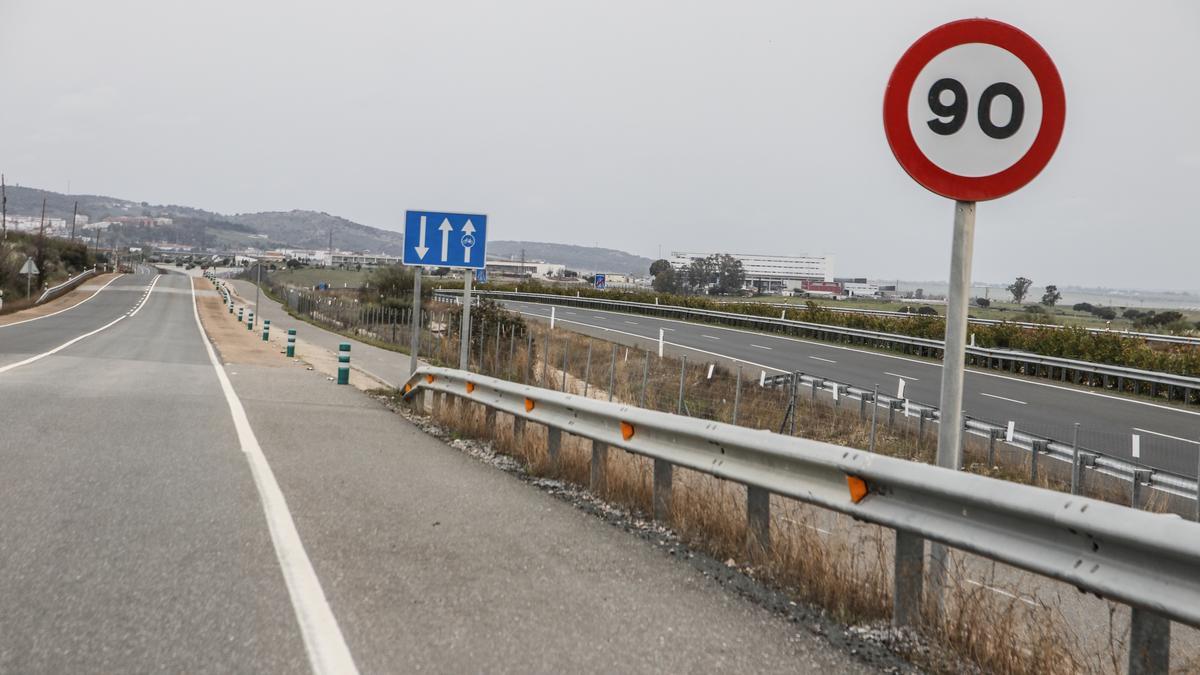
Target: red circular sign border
(938, 40)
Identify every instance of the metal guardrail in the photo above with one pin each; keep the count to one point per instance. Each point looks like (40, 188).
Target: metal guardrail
(66, 286)
(999, 358)
(1142, 559)
(1078, 457)
(1149, 337)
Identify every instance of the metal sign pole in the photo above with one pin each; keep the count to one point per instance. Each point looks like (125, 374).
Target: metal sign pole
(949, 450)
(464, 354)
(415, 338)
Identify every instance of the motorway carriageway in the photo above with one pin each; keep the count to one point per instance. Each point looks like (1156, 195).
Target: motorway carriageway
(1041, 407)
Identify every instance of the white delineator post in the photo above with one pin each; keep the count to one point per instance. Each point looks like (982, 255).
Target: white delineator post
(661, 332)
(949, 449)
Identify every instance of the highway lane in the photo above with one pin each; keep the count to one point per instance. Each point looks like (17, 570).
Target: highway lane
(1107, 422)
(134, 537)
(111, 300)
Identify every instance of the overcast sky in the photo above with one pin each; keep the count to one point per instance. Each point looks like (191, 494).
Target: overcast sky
(734, 126)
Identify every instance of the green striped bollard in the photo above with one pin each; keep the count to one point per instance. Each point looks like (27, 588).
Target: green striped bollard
(291, 343)
(344, 363)
(241, 310)
(266, 329)
(250, 321)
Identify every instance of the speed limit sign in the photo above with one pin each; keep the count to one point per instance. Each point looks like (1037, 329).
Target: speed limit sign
(974, 109)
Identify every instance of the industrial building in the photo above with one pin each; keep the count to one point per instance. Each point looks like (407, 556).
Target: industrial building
(528, 268)
(770, 273)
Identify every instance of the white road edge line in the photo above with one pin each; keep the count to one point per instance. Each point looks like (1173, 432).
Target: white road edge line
(67, 309)
(1002, 398)
(1174, 438)
(327, 650)
(822, 359)
(110, 324)
(903, 377)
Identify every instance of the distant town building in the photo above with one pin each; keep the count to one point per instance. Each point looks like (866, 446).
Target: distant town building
(347, 260)
(770, 273)
(530, 268)
(858, 287)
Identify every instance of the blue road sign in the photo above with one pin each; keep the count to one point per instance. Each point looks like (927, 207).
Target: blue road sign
(445, 239)
(601, 282)
(481, 275)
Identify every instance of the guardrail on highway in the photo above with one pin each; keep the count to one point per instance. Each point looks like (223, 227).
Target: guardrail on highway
(1176, 387)
(1145, 560)
(66, 286)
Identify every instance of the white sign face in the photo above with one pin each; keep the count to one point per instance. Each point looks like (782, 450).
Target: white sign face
(975, 110)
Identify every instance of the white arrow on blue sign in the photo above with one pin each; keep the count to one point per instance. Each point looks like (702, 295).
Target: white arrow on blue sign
(436, 239)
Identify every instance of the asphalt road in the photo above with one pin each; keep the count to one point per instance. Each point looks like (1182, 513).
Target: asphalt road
(166, 513)
(1107, 422)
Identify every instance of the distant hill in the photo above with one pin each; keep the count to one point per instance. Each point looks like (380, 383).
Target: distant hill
(287, 229)
(586, 259)
(310, 229)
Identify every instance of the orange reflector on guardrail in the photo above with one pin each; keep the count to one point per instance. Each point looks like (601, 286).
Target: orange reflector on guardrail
(626, 430)
(529, 404)
(470, 387)
(407, 388)
(429, 379)
(858, 488)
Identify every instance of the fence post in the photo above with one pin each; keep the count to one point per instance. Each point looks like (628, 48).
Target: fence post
(528, 355)
(612, 373)
(343, 374)
(599, 477)
(566, 348)
(682, 373)
(758, 521)
(645, 377)
(1075, 460)
(874, 417)
(291, 343)
(587, 370)
(737, 395)
(1149, 642)
(553, 445)
(908, 579)
(663, 474)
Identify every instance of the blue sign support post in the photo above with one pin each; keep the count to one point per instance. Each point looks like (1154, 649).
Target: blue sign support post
(439, 239)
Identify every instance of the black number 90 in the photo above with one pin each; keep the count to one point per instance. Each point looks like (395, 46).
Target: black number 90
(956, 110)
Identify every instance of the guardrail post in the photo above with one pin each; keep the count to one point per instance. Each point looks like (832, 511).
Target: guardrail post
(892, 405)
(553, 445)
(1075, 461)
(663, 475)
(993, 436)
(489, 419)
(1149, 642)
(291, 343)
(921, 427)
(862, 407)
(1038, 447)
(343, 374)
(266, 330)
(908, 579)
(599, 478)
(758, 521)
(1140, 477)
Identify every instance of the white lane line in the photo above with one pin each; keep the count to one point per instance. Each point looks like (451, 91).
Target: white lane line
(1003, 398)
(667, 329)
(821, 359)
(710, 337)
(654, 341)
(759, 346)
(327, 650)
(1001, 591)
(594, 316)
(47, 316)
(110, 324)
(903, 377)
(934, 364)
(632, 323)
(1174, 438)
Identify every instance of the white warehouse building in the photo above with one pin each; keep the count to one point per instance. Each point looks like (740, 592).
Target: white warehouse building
(770, 272)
